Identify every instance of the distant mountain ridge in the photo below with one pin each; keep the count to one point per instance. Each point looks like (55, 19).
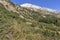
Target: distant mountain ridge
(43, 10)
(36, 7)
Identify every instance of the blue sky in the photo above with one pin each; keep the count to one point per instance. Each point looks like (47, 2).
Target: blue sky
(53, 4)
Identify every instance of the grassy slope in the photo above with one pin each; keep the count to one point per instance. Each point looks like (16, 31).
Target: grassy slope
(32, 27)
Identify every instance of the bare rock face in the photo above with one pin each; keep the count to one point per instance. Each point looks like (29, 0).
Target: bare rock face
(4, 0)
(27, 5)
(42, 9)
(8, 5)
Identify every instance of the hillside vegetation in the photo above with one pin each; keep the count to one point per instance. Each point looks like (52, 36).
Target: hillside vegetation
(28, 25)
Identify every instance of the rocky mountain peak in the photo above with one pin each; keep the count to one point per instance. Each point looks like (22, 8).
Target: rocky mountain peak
(30, 5)
(35, 7)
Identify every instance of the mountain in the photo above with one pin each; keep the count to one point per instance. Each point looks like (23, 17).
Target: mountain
(22, 23)
(41, 9)
(27, 5)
